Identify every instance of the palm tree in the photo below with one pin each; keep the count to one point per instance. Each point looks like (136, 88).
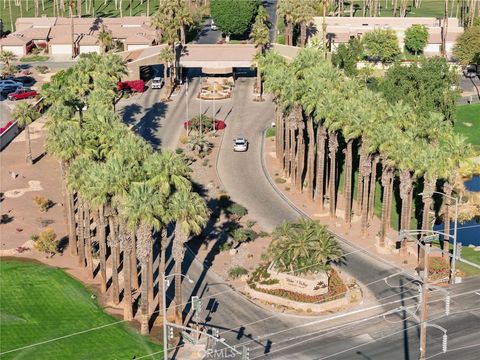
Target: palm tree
(183, 18)
(191, 214)
(105, 39)
(25, 114)
(304, 246)
(304, 15)
(286, 10)
(7, 57)
(141, 208)
(167, 57)
(260, 37)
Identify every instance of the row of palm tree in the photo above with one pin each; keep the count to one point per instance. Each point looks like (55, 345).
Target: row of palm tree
(320, 112)
(118, 192)
(297, 12)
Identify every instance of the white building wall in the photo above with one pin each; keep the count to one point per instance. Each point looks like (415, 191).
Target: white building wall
(89, 49)
(61, 49)
(18, 50)
(136, 46)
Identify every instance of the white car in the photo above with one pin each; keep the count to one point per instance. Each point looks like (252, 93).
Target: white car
(213, 26)
(240, 144)
(157, 83)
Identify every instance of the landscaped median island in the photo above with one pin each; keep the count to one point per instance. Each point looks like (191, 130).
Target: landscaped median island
(41, 304)
(298, 272)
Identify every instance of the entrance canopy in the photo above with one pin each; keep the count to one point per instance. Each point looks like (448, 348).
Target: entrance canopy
(217, 71)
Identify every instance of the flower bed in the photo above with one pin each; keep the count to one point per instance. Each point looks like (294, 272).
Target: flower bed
(336, 288)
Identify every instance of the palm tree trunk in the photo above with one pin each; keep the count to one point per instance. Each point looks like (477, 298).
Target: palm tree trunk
(365, 170)
(300, 159)
(178, 254)
(115, 257)
(332, 154)
(348, 183)
(287, 34)
(35, 2)
(427, 194)
(182, 35)
(28, 146)
(303, 34)
(133, 262)
(144, 330)
(259, 83)
(320, 176)
(72, 233)
(373, 181)
(278, 131)
(310, 157)
(360, 182)
(390, 202)
(88, 242)
(286, 158)
(79, 8)
(447, 189)
(386, 179)
(293, 154)
(161, 269)
(81, 234)
(102, 243)
(127, 285)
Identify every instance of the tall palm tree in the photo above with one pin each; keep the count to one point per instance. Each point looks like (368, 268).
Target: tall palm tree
(167, 57)
(25, 114)
(191, 214)
(105, 39)
(183, 18)
(304, 16)
(286, 10)
(260, 37)
(141, 207)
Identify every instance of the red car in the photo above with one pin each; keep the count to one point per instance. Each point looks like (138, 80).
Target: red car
(131, 85)
(22, 93)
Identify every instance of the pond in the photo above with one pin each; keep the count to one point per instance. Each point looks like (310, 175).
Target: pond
(467, 232)
(473, 184)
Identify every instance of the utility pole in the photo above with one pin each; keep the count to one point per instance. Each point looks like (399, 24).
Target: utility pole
(424, 307)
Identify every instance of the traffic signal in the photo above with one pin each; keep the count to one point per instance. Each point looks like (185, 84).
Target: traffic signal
(447, 305)
(459, 250)
(170, 332)
(215, 332)
(197, 304)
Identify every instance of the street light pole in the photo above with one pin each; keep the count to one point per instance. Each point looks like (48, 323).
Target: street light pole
(164, 313)
(454, 259)
(424, 308)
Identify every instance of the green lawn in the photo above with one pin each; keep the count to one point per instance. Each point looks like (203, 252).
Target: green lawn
(468, 122)
(429, 8)
(39, 303)
(34, 58)
(101, 9)
(468, 254)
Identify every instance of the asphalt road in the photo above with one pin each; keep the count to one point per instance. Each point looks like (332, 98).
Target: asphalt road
(237, 318)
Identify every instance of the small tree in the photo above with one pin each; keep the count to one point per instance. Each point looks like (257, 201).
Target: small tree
(198, 144)
(6, 58)
(105, 39)
(416, 38)
(467, 48)
(232, 16)
(347, 56)
(25, 114)
(47, 242)
(381, 45)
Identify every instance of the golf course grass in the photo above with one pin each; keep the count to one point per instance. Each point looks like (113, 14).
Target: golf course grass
(468, 123)
(39, 304)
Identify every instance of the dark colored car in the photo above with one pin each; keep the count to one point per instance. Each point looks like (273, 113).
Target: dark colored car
(22, 93)
(9, 86)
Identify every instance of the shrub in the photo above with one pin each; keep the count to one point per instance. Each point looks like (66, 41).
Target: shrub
(42, 69)
(34, 237)
(205, 162)
(263, 234)
(47, 242)
(280, 181)
(438, 268)
(225, 246)
(270, 132)
(179, 151)
(237, 211)
(237, 271)
(251, 223)
(42, 202)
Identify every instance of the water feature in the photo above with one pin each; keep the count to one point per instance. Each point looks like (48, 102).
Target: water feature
(468, 233)
(473, 185)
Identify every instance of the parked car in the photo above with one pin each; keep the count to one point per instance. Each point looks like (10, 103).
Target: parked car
(240, 144)
(213, 26)
(470, 72)
(22, 93)
(9, 86)
(131, 85)
(157, 82)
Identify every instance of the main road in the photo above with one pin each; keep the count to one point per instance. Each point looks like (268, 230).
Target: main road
(237, 318)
